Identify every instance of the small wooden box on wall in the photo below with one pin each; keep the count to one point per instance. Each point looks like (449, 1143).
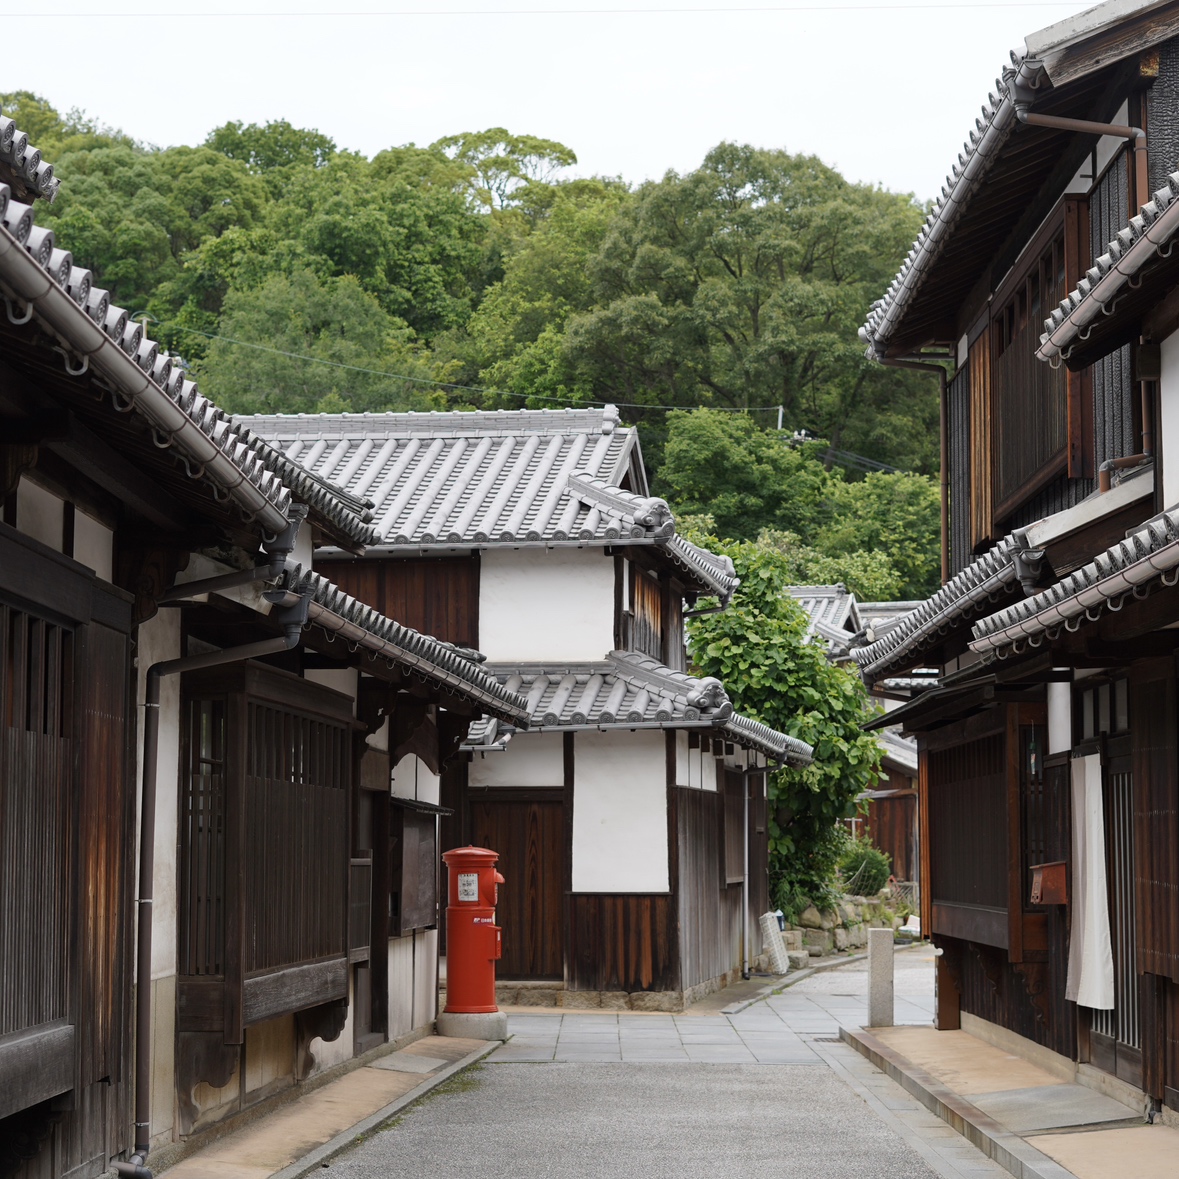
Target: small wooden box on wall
(1049, 883)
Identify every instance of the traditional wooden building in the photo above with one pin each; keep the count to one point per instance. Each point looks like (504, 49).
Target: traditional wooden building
(631, 817)
(179, 688)
(1043, 289)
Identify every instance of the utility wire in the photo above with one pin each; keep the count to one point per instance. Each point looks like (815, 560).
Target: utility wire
(378, 372)
(760, 9)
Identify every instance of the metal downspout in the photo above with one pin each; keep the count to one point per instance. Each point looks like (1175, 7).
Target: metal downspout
(292, 619)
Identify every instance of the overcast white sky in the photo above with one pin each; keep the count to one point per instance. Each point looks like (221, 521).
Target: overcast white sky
(883, 91)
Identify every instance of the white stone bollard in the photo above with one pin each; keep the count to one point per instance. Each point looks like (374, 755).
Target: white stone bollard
(880, 959)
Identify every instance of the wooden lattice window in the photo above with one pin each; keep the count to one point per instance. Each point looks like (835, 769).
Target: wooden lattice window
(265, 834)
(1029, 399)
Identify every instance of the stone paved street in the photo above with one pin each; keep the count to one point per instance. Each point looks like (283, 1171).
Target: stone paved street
(768, 1090)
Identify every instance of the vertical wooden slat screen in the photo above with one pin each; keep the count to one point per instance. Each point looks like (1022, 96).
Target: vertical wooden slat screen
(1154, 716)
(981, 522)
(296, 839)
(106, 813)
(36, 855)
(264, 832)
(647, 629)
(1029, 403)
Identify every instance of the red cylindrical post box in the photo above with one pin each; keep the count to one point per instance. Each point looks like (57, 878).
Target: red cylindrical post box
(472, 936)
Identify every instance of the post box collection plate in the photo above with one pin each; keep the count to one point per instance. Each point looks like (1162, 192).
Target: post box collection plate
(468, 886)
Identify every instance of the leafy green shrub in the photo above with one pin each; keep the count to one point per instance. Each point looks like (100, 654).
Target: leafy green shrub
(865, 869)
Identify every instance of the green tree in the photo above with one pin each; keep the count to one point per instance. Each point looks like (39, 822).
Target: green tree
(413, 248)
(300, 343)
(517, 332)
(275, 145)
(742, 284)
(758, 648)
(878, 535)
(897, 514)
(502, 163)
(746, 478)
(869, 574)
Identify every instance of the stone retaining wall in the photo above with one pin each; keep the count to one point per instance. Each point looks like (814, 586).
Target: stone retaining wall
(844, 927)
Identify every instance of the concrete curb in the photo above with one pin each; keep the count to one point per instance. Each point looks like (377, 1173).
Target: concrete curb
(315, 1159)
(1009, 1150)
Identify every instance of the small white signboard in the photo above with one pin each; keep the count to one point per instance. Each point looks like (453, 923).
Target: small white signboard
(468, 886)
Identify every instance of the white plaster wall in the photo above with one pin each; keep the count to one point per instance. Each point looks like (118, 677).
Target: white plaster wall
(93, 544)
(620, 812)
(159, 638)
(412, 778)
(546, 604)
(39, 513)
(270, 1054)
(328, 1053)
(1168, 439)
(693, 767)
(401, 995)
(379, 739)
(425, 992)
(531, 759)
(341, 679)
(1060, 716)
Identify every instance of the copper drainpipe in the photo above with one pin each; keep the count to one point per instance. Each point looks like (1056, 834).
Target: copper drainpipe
(1107, 468)
(944, 443)
(1135, 135)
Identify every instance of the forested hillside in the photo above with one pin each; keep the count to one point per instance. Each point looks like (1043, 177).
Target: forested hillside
(295, 276)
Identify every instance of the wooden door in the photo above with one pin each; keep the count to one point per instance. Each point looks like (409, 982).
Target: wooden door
(528, 831)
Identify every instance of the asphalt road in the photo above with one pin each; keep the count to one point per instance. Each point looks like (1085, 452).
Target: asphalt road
(656, 1121)
(765, 1092)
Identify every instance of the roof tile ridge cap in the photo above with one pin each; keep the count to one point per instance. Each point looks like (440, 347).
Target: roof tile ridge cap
(331, 596)
(1128, 236)
(900, 285)
(1158, 533)
(722, 561)
(955, 590)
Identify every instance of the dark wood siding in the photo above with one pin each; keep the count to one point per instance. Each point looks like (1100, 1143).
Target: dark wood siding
(1154, 714)
(709, 910)
(958, 399)
(66, 841)
(892, 827)
(527, 828)
(646, 633)
(968, 838)
(622, 943)
(436, 595)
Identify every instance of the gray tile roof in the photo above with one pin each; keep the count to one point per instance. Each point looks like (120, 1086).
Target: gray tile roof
(1149, 555)
(474, 479)
(99, 336)
(990, 133)
(454, 669)
(900, 751)
(831, 610)
(971, 590)
(627, 691)
(1138, 244)
(21, 165)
